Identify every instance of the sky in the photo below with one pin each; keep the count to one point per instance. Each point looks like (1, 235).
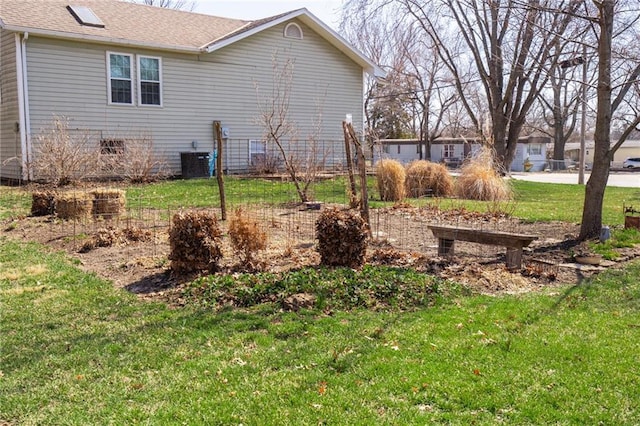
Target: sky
(328, 11)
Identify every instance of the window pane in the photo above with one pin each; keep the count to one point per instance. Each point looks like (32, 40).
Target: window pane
(120, 66)
(121, 91)
(149, 93)
(149, 69)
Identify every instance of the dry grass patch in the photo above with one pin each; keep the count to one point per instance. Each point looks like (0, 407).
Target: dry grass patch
(74, 205)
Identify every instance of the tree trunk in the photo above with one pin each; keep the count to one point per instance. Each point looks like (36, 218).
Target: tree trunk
(594, 190)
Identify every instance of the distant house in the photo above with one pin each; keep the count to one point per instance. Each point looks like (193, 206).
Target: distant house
(629, 149)
(453, 151)
(116, 68)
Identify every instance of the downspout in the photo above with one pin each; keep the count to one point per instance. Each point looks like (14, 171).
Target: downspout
(23, 105)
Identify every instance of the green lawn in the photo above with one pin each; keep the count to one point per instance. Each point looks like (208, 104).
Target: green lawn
(533, 201)
(76, 351)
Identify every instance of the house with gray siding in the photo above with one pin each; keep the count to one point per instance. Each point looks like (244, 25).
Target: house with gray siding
(453, 151)
(116, 70)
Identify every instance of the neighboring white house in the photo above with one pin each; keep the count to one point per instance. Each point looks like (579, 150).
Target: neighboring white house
(116, 68)
(453, 151)
(629, 149)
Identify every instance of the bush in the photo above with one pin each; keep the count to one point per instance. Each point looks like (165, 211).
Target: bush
(390, 176)
(62, 156)
(479, 179)
(246, 237)
(342, 238)
(194, 239)
(73, 205)
(427, 178)
(134, 159)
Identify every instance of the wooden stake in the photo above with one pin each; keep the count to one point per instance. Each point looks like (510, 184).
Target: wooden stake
(364, 197)
(217, 131)
(353, 192)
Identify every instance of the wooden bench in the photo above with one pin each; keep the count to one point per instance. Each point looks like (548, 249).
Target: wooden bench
(447, 235)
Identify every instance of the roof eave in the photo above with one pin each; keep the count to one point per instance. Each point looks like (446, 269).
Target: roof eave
(98, 39)
(317, 25)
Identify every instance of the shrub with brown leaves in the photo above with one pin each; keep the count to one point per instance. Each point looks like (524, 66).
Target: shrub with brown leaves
(342, 238)
(427, 178)
(246, 236)
(390, 177)
(194, 239)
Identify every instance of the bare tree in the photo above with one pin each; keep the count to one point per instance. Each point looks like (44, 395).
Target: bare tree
(281, 131)
(504, 42)
(187, 5)
(414, 98)
(620, 95)
(561, 102)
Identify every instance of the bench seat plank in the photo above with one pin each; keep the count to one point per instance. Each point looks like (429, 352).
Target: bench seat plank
(447, 235)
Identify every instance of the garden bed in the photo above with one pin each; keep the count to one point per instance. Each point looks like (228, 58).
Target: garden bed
(401, 239)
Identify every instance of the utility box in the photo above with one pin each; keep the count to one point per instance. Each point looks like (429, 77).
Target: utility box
(194, 164)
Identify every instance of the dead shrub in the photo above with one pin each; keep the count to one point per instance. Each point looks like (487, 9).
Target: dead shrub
(342, 238)
(73, 205)
(43, 203)
(426, 178)
(194, 241)
(390, 176)
(109, 236)
(136, 160)
(479, 179)
(62, 156)
(108, 203)
(246, 236)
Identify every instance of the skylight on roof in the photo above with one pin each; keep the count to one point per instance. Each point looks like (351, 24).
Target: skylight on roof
(85, 16)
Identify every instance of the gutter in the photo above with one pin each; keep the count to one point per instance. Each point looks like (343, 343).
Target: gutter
(23, 105)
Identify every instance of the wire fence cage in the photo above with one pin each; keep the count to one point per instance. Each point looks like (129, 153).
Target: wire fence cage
(284, 188)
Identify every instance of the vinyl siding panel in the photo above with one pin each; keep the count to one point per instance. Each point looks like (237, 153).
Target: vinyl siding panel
(70, 79)
(9, 138)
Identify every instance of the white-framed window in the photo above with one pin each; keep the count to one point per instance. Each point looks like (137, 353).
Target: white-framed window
(448, 151)
(149, 80)
(257, 152)
(293, 30)
(535, 149)
(385, 148)
(120, 81)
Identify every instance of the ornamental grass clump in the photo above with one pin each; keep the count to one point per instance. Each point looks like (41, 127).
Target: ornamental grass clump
(247, 239)
(426, 178)
(342, 238)
(390, 176)
(480, 180)
(194, 239)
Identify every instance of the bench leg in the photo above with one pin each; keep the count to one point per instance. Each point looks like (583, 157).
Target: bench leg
(514, 258)
(445, 247)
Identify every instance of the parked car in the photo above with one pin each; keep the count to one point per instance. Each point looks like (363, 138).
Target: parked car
(631, 163)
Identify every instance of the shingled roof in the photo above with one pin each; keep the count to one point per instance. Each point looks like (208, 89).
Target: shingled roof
(125, 22)
(134, 24)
